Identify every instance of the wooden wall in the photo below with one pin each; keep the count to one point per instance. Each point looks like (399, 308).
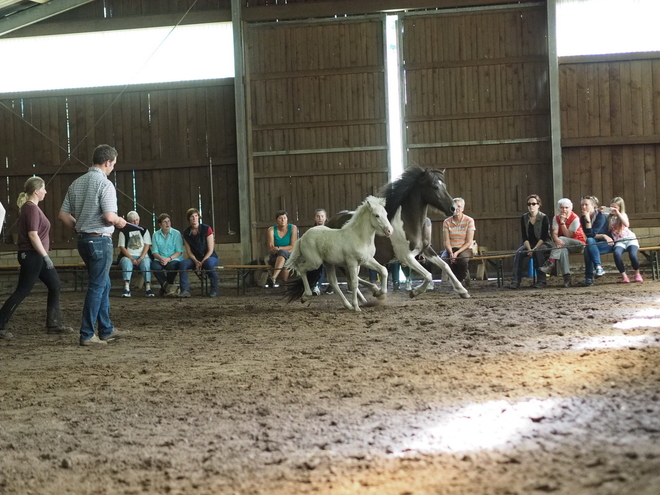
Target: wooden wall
(610, 116)
(478, 104)
(172, 140)
(317, 119)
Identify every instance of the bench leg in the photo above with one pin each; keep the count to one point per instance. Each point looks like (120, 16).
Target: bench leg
(499, 271)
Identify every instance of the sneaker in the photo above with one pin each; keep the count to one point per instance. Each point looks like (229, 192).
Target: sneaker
(116, 334)
(316, 291)
(150, 293)
(599, 272)
(547, 267)
(213, 293)
(61, 329)
(567, 280)
(329, 290)
(184, 293)
(93, 341)
(539, 285)
(514, 285)
(127, 293)
(4, 334)
(638, 278)
(587, 282)
(624, 279)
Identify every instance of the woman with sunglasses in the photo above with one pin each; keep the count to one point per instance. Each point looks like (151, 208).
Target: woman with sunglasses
(595, 226)
(535, 230)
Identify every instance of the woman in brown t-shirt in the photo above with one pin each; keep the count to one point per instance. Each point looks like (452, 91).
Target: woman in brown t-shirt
(33, 245)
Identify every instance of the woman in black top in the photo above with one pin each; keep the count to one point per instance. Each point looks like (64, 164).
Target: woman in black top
(199, 243)
(535, 229)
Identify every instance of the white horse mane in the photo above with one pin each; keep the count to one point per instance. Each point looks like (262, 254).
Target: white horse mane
(369, 203)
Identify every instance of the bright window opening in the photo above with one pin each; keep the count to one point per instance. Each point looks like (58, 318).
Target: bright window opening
(594, 27)
(394, 98)
(117, 58)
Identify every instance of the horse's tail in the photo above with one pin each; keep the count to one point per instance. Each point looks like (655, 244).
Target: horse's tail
(295, 289)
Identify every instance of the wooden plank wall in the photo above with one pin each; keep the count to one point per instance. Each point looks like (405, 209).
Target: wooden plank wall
(168, 137)
(317, 119)
(610, 111)
(476, 76)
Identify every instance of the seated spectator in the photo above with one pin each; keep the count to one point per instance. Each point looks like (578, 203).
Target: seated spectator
(199, 242)
(624, 239)
(535, 230)
(320, 217)
(596, 230)
(134, 253)
(281, 239)
(167, 249)
(567, 237)
(458, 234)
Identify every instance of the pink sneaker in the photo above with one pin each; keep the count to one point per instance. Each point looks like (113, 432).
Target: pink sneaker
(638, 278)
(624, 279)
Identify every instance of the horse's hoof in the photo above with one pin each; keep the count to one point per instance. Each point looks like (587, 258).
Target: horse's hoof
(381, 296)
(412, 294)
(465, 296)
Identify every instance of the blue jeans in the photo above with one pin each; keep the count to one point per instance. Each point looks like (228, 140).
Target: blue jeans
(127, 266)
(96, 252)
(165, 273)
(208, 266)
(592, 252)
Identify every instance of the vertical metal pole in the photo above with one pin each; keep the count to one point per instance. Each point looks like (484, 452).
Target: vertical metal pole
(212, 196)
(555, 116)
(241, 133)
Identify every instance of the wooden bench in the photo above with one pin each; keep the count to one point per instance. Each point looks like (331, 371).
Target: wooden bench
(242, 273)
(649, 252)
(496, 261)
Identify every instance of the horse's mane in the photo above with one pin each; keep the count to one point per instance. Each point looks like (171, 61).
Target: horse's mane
(370, 200)
(397, 191)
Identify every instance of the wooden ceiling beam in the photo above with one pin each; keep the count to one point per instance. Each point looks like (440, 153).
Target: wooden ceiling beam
(37, 13)
(113, 24)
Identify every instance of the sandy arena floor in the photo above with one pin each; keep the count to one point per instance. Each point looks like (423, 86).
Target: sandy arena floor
(510, 392)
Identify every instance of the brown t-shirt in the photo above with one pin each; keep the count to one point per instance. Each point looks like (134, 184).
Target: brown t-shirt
(30, 219)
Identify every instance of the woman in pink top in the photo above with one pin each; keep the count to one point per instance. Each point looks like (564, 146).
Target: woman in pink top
(624, 239)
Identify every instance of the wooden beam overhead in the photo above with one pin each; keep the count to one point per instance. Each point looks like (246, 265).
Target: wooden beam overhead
(352, 7)
(114, 24)
(37, 13)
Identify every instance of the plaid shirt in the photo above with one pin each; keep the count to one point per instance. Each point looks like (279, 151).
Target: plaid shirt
(88, 198)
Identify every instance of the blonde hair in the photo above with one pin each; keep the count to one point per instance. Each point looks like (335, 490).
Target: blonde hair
(31, 185)
(614, 222)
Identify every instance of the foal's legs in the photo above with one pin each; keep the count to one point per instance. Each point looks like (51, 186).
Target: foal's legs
(308, 291)
(374, 265)
(352, 272)
(331, 272)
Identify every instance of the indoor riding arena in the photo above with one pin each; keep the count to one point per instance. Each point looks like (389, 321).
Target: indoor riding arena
(298, 105)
